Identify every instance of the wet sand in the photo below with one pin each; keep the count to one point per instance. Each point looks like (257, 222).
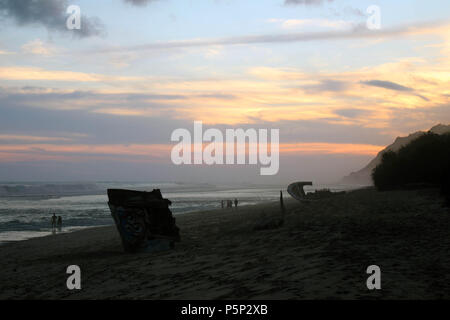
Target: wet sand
(321, 252)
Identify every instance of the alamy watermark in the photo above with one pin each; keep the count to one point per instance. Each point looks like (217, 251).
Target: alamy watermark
(374, 19)
(74, 280)
(239, 145)
(73, 21)
(374, 280)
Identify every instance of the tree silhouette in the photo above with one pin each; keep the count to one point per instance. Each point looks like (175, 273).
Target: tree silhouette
(424, 161)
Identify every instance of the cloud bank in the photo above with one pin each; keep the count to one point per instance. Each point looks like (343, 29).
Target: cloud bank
(48, 13)
(358, 32)
(140, 3)
(391, 86)
(387, 85)
(305, 2)
(52, 15)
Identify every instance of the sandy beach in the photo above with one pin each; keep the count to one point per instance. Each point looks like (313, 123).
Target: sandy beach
(321, 252)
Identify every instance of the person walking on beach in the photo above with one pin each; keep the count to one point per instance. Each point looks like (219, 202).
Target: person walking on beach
(53, 221)
(59, 223)
(281, 202)
(222, 204)
(236, 202)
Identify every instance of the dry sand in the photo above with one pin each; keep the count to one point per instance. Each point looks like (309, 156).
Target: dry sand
(321, 252)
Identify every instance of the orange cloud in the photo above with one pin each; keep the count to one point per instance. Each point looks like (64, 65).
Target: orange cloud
(132, 149)
(270, 94)
(330, 148)
(34, 73)
(10, 137)
(158, 152)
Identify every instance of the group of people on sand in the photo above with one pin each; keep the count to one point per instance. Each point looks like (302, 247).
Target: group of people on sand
(229, 203)
(56, 222)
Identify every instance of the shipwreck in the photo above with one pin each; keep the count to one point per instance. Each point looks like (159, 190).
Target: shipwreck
(143, 219)
(298, 193)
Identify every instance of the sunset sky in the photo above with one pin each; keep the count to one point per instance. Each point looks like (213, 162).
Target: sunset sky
(101, 103)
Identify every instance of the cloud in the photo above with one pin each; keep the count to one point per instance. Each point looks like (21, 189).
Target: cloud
(347, 11)
(82, 125)
(49, 13)
(391, 86)
(140, 3)
(386, 85)
(34, 73)
(313, 23)
(16, 137)
(327, 86)
(351, 113)
(115, 104)
(3, 52)
(358, 32)
(52, 15)
(38, 47)
(330, 148)
(305, 2)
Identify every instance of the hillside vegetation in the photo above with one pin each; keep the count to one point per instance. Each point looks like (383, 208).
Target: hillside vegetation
(424, 161)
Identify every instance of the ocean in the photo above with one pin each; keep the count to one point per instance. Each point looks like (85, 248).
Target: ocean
(26, 208)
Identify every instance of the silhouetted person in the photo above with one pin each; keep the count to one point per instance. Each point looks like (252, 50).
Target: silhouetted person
(53, 222)
(222, 203)
(281, 202)
(236, 202)
(59, 223)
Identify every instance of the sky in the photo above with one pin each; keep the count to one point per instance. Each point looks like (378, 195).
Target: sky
(100, 103)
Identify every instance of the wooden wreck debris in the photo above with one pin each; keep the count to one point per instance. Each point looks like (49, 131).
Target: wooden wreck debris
(296, 190)
(143, 219)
